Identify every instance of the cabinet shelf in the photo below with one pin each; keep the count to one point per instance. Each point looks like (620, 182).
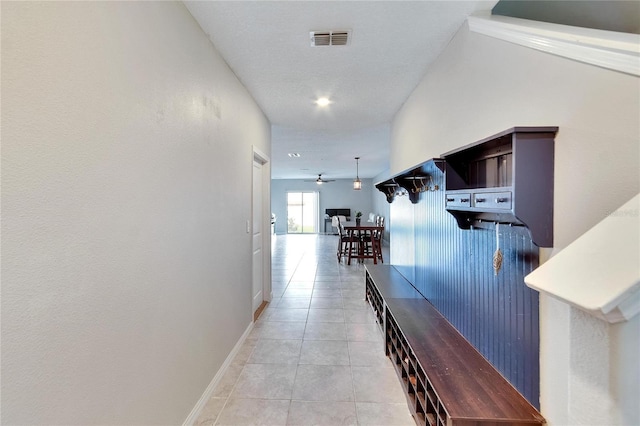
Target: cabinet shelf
(424, 177)
(505, 178)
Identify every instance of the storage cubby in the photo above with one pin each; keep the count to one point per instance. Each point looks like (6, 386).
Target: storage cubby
(505, 178)
(410, 372)
(375, 300)
(445, 379)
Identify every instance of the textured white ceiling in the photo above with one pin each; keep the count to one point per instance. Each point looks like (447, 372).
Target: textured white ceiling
(266, 43)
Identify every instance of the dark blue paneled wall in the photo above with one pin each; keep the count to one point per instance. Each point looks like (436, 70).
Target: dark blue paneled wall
(453, 269)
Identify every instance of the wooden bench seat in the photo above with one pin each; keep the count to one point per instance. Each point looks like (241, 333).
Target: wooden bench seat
(446, 380)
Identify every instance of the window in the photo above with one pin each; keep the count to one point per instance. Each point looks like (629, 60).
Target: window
(302, 212)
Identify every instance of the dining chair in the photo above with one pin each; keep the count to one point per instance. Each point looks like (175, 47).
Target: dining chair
(377, 238)
(346, 243)
(337, 219)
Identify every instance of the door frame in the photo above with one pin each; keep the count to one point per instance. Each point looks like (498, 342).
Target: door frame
(261, 157)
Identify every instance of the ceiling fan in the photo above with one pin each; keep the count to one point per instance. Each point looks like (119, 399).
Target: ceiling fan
(320, 181)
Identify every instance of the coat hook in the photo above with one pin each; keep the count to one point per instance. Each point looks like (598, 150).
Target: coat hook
(415, 186)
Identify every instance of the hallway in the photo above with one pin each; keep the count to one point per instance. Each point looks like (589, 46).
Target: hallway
(315, 356)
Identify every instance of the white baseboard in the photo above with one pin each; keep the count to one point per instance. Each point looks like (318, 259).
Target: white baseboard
(193, 416)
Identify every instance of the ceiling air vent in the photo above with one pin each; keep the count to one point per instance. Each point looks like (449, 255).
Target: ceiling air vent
(329, 38)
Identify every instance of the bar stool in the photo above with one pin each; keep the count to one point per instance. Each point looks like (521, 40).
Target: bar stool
(377, 238)
(345, 243)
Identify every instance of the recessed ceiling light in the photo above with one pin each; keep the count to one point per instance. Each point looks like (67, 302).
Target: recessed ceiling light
(293, 154)
(323, 102)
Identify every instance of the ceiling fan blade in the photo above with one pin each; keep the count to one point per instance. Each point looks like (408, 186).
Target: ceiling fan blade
(319, 179)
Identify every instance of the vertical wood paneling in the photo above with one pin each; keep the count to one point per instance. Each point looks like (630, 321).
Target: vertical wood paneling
(453, 269)
(401, 221)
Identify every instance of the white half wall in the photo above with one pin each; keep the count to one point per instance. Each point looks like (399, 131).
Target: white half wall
(480, 86)
(126, 189)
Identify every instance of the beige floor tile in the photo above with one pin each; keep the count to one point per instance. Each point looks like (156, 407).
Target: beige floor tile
(354, 293)
(294, 302)
(352, 285)
(377, 384)
(376, 414)
(320, 413)
(270, 351)
(325, 331)
(328, 285)
(352, 277)
(327, 292)
(288, 314)
(279, 283)
(265, 381)
(319, 352)
(301, 284)
(279, 330)
(339, 325)
(360, 316)
(254, 412)
(277, 293)
(279, 275)
(305, 276)
(363, 307)
(326, 302)
(325, 315)
(354, 303)
(328, 277)
(323, 383)
(368, 354)
(369, 332)
(297, 292)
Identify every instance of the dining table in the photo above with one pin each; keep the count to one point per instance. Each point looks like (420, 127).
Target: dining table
(364, 234)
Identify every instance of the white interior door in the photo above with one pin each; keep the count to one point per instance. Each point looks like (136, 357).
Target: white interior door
(257, 236)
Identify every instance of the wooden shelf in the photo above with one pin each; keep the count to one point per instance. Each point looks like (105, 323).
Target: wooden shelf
(505, 178)
(446, 380)
(424, 177)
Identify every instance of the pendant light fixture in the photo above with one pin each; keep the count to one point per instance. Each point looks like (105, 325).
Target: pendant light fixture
(357, 183)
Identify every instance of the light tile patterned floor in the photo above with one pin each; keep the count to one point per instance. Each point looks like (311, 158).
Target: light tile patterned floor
(316, 355)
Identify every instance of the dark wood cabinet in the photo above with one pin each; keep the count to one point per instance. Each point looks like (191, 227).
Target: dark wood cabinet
(505, 178)
(447, 382)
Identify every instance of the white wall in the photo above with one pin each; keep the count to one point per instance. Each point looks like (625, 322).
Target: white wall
(380, 204)
(480, 86)
(126, 184)
(335, 195)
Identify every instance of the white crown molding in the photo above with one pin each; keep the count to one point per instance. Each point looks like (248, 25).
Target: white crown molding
(606, 49)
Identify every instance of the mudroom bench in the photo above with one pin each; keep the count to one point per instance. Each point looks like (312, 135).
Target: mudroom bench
(445, 379)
